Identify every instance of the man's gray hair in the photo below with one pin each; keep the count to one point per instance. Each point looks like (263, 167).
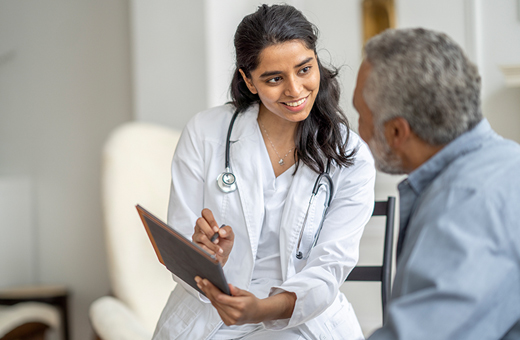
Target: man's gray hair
(425, 78)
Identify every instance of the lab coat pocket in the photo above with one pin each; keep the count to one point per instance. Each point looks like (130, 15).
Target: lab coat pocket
(344, 324)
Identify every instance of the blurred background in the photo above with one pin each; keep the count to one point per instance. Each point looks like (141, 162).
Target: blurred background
(72, 71)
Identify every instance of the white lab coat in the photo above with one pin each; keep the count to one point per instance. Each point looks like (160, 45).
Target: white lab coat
(321, 311)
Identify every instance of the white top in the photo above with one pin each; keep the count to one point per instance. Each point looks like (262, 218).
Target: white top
(267, 271)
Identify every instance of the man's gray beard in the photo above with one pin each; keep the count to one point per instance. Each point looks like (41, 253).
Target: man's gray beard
(385, 160)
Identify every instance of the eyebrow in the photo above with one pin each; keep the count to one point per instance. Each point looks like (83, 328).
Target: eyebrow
(272, 73)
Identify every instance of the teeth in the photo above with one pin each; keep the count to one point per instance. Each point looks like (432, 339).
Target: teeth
(294, 104)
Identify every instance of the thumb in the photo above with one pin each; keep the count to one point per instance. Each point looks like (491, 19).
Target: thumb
(227, 233)
(235, 291)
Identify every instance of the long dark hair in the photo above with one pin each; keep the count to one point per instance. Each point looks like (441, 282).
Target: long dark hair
(319, 137)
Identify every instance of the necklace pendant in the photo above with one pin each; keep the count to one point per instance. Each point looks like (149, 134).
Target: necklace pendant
(281, 162)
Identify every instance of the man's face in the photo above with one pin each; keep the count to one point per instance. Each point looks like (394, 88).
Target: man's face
(374, 136)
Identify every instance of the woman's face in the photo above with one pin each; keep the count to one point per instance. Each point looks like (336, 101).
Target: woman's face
(287, 80)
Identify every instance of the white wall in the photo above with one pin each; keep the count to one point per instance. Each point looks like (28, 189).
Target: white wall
(18, 231)
(221, 24)
(64, 84)
(499, 33)
(168, 60)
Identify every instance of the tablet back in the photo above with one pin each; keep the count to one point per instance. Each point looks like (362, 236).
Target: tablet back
(181, 256)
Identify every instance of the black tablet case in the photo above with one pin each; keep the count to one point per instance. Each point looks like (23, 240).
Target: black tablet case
(182, 257)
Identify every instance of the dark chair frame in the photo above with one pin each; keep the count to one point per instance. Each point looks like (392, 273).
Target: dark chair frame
(381, 273)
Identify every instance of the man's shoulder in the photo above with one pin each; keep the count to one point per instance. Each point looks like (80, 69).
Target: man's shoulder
(493, 165)
(476, 184)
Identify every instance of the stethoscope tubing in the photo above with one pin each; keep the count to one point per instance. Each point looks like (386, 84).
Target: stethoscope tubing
(315, 190)
(227, 183)
(228, 138)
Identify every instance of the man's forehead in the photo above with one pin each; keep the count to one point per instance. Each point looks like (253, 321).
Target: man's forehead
(363, 73)
(364, 70)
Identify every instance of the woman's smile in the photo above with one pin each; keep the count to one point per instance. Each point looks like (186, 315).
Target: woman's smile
(296, 105)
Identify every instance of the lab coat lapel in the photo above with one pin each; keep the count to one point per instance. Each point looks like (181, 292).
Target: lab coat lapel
(245, 139)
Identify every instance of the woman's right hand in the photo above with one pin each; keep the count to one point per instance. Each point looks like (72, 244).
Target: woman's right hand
(205, 228)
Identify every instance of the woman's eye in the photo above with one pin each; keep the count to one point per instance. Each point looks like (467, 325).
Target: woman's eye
(305, 69)
(274, 80)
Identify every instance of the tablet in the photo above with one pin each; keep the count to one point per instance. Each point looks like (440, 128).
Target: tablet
(181, 256)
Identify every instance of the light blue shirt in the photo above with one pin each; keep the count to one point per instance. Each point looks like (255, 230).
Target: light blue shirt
(458, 270)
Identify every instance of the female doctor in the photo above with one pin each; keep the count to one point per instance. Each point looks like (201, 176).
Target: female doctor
(292, 187)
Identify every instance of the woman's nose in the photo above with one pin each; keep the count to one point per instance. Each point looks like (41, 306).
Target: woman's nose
(293, 87)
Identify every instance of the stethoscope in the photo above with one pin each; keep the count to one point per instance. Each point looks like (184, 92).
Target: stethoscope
(227, 183)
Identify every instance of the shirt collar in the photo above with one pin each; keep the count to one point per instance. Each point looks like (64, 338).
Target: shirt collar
(467, 142)
(245, 125)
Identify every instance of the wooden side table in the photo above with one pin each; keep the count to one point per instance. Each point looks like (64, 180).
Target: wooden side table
(53, 295)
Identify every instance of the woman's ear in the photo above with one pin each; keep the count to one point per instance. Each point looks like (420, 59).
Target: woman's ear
(248, 82)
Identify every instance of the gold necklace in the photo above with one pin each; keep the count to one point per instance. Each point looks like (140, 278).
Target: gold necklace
(281, 161)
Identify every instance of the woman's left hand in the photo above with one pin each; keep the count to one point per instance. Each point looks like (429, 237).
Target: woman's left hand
(244, 307)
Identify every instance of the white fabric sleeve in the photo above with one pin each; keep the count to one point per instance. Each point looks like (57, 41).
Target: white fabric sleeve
(187, 178)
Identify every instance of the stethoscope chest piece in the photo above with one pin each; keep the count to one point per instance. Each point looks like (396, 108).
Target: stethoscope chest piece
(226, 181)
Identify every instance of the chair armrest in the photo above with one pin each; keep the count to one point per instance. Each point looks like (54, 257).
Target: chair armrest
(27, 312)
(113, 320)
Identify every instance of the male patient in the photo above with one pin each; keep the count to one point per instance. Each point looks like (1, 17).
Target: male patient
(458, 252)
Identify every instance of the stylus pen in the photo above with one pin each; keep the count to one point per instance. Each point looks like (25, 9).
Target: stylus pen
(215, 236)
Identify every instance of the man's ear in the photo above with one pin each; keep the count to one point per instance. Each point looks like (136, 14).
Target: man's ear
(248, 82)
(397, 132)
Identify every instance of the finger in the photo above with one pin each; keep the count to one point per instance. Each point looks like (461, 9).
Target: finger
(226, 233)
(211, 292)
(209, 251)
(228, 307)
(202, 226)
(208, 216)
(198, 236)
(204, 234)
(205, 290)
(213, 251)
(235, 291)
(215, 295)
(203, 286)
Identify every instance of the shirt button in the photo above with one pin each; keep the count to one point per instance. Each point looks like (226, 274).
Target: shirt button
(323, 337)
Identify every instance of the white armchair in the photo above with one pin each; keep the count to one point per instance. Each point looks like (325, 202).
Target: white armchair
(27, 320)
(136, 169)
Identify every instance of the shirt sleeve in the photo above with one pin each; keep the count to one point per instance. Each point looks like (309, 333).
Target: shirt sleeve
(317, 284)
(457, 277)
(187, 179)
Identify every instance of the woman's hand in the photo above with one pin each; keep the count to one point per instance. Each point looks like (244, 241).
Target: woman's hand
(205, 228)
(243, 307)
